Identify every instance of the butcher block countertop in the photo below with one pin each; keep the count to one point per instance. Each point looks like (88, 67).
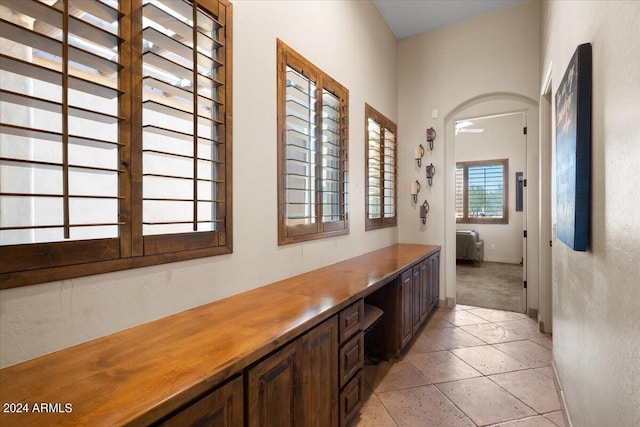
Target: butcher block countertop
(140, 374)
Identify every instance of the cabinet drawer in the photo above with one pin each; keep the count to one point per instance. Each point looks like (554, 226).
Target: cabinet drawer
(351, 398)
(351, 358)
(351, 320)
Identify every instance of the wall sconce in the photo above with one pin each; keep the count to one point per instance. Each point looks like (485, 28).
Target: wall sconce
(424, 210)
(431, 171)
(415, 189)
(419, 154)
(431, 136)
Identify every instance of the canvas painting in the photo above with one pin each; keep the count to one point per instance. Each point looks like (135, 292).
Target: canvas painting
(573, 151)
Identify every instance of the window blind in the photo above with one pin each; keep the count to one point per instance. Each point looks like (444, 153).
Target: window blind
(485, 191)
(481, 191)
(59, 116)
(312, 169)
(381, 170)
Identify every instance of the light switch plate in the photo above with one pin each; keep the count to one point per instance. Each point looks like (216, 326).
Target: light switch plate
(434, 114)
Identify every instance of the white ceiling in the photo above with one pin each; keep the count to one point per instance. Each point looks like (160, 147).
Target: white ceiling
(410, 17)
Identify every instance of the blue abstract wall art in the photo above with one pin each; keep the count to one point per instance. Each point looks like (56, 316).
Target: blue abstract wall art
(573, 151)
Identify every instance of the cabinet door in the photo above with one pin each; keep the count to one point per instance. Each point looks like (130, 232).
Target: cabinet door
(221, 408)
(416, 296)
(406, 308)
(321, 375)
(425, 287)
(274, 389)
(435, 281)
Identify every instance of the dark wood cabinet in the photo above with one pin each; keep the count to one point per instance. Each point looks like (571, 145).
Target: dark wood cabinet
(434, 280)
(417, 296)
(298, 385)
(425, 291)
(405, 298)
(417, 291)
(321, 381)
(287, 354)
(351, 364)
(351, 358)
(275, 389)
(221, 408)
(351, 398)
(351, 320)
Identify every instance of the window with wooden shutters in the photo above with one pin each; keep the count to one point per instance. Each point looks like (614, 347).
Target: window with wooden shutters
(312, 166)
(183, 138)
(77, 163)
(60, 116)
(481, 187)
(381, 170)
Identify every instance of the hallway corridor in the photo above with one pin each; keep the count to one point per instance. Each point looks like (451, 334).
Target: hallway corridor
(468, 367)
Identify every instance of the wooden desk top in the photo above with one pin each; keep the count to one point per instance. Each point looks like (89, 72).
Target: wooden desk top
(139, 374)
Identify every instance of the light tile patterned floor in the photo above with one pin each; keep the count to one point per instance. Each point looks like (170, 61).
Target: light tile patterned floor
(468, 366)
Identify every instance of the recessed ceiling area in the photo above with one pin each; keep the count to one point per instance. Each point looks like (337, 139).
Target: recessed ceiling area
(410, 17)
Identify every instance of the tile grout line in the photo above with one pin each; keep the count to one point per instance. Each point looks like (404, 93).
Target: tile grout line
(403, 358)
(487, 377)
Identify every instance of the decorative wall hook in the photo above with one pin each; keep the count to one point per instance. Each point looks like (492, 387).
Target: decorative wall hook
(431, 171)
(431, 136)
(419, 154)
(415, 189)
(424, 210)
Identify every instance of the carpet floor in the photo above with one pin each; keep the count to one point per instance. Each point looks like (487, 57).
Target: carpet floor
(490, 285)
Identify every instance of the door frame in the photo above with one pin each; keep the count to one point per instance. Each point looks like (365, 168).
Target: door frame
(487, 105)
(545, 315)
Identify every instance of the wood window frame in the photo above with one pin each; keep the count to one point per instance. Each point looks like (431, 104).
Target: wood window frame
(27, 264)
(289, 58)
(385, 124)
(466, 219)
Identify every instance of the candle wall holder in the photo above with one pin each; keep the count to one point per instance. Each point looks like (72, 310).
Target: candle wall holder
(431, 136)
(424, 210)
(419, 154)
(415, 189)
(431, 171)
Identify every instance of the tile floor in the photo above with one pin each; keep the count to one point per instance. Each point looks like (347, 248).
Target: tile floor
(468, 366)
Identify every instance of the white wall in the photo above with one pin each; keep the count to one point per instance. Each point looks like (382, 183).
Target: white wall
(596, 294)
(477, 67)
(502, 139)
(348, 40)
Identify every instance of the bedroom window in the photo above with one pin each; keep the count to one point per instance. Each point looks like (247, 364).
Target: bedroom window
(381, 170)
(86, 91)
(481, 192)
(313, 123)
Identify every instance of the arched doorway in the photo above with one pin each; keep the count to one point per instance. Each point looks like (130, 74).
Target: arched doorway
(483, 106)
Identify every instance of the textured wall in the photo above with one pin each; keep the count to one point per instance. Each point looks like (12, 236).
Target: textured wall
(596, 294)
(492, 58)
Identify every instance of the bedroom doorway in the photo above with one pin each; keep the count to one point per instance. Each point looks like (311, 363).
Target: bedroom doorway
(490, 206)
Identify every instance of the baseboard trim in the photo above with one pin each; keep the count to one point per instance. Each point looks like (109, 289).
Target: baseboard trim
(503, 260)
(532, 313)
(449, 302)
(559, 389)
